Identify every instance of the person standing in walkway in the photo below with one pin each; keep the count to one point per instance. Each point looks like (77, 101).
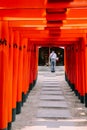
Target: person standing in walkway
(53, 58)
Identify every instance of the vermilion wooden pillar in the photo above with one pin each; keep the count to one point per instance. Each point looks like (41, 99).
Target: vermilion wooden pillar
(76, 69)
(4, 75)
(15, 73)
(72, 62)
(70, 66)
(31, 66)
(85, 78)
(28, 68)
(74, 65)
(20, 77)
(28, 71)
(68, 63)
(24, 82)
(36, 65)
(11, 36)
(65, 62)
(81, 71)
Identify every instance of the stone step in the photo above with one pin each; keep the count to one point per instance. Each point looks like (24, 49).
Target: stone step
(51, 92)
(51, 104)
(53, 113)
(52, 97)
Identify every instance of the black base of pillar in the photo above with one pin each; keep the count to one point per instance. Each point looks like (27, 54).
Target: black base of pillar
(66, 77)
(86, 100)
(18, 107)
(13, 114)
(72, 87)
(27, 94)
(69, 83)
(29, 89)
(76, 92)
(34, 83)
(31, 86)
(79, 96)
(9, 125)
(23, 98)
(82, 99)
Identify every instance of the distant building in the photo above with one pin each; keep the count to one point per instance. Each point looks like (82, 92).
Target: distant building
(44, 55)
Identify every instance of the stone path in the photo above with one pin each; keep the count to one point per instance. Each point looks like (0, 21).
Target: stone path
(51, 105)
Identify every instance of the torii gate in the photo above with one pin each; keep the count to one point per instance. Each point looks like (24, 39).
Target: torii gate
(24, 26)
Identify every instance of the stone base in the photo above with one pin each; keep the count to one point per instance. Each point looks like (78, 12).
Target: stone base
(13, 114)
(9, 126)
(82, 99)
(86, 100)
(18, 107)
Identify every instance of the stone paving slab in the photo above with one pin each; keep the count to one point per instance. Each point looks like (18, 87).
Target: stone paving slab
(55, 104)
(53, 113)
(51, 97)
(49, 76)
(50, 80)
(52, 92)
(54, 124)
(50, 85)
(51, 89)
(53, 82)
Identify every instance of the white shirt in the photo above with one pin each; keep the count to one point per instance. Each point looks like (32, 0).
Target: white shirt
(53, 55)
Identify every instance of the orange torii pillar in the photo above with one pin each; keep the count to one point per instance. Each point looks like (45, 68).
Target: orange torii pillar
(25, 62)
(4, 75)
(73, 67)
(85, 65)
(69, 62)
(35, 65)
(66, 63)
(79, 71)
(70, 66)
(72, 62)
(11, 36)
(20, 77)
(31, 66)
(81, 74)
(27, 72)
(67, 71)
(15, 72)
(76, 69)
(28, 69)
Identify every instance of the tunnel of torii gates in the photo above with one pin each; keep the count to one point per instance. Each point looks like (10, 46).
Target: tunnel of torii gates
(25, 25)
